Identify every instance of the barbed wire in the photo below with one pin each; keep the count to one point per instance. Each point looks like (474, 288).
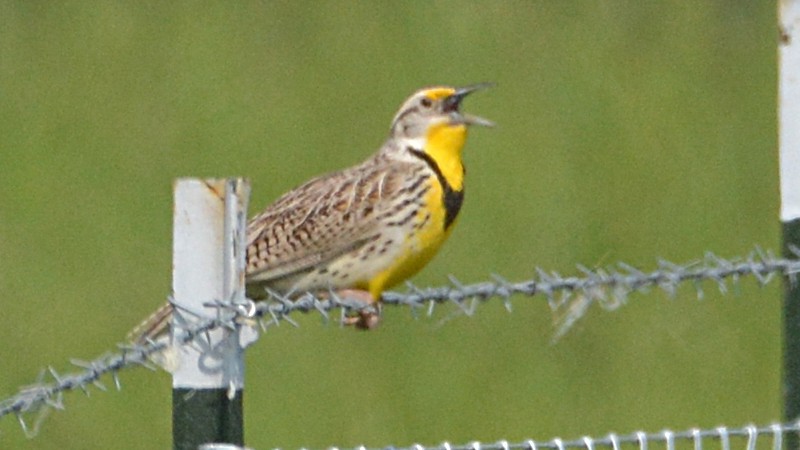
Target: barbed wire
(43, 394)
(571, 296)
(750, 434)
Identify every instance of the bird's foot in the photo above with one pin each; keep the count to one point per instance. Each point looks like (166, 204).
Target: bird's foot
(367, 318)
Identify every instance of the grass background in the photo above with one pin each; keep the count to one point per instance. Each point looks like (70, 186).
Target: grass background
(627, 131)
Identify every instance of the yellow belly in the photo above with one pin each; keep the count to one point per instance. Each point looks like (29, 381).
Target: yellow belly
(417, 248)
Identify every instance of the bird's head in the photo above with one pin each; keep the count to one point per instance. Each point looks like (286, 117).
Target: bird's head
(434, 108)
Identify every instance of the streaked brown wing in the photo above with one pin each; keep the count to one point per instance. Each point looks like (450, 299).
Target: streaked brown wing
(321, 220)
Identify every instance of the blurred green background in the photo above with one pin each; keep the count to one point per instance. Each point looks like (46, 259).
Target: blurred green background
(627, 131)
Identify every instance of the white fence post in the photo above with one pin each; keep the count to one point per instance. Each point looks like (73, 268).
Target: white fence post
(789, 141)
(210, 219)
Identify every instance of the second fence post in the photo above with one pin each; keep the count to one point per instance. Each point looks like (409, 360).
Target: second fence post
(789, 141)
(210, 219)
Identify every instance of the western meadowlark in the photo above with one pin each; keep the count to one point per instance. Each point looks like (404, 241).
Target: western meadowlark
(364, 229)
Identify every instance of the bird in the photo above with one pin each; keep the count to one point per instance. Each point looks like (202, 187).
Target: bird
(366, 228)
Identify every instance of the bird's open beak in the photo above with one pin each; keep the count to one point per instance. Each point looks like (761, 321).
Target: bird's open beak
(453, 102)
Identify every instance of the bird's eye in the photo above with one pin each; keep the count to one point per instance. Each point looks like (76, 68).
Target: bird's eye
(426, 102)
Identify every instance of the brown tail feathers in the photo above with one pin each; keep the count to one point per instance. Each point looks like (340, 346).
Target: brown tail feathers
(154, 327)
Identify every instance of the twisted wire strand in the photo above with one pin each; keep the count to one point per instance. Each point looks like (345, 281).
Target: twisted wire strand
(609, 287)
(724, 437)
